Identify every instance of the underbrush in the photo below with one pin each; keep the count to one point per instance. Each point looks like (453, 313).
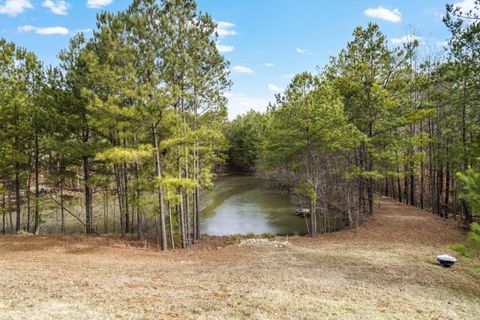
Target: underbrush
(470, 249)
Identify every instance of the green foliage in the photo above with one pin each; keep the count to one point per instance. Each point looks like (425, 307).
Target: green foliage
(118, 155)
(138, 107)
(461, 249)
(307, 190)
(472, 247)
(310, 116)
(175, 183)
(245, 137)
(474, 236)
(471, 188)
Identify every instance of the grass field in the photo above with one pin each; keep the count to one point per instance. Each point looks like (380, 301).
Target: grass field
(384, 270)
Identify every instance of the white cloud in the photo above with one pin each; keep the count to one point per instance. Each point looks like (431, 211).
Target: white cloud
(274, 88)
(466, 6)
(240, 104)
(225, 29)
(269, 65)
(57, 7)
(441, 43)
(408, 38)
(385, 14)
(224, 48)
(302, 51)
(98, 3)
(242, 69)
(14, 7)
(45, 31)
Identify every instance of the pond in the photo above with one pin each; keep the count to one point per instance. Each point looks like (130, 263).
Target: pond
(246, 204)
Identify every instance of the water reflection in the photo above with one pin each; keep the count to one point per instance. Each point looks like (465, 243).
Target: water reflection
(245, 204)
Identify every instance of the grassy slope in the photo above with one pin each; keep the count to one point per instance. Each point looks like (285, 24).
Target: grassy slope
(384, 270)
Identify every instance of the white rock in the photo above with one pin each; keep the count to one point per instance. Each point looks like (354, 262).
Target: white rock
(262, 241)
(446, 257)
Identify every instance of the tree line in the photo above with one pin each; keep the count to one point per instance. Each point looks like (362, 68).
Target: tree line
(136, 114)
(403, 122)
(137, 108)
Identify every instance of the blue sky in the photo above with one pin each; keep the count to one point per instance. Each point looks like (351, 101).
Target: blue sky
(266, 41)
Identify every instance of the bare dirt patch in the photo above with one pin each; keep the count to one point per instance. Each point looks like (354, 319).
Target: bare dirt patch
(397, 223)
(384, 270)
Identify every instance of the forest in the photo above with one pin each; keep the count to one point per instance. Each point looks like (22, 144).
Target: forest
(137, 114)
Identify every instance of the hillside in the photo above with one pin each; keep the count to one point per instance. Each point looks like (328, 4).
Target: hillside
(384, 270)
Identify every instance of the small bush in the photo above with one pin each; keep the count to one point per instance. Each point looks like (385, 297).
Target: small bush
(474, 234)
(472, 247)
(460, 248)
(250, 235)
(474, 237)
(269, 235)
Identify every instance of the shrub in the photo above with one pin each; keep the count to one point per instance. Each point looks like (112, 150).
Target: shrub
(474, 237)
(472, 247)
(269, 235)
(460, 248)
(471, 186)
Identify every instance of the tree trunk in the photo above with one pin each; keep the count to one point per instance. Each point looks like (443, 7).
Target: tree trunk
(439, 192)
(172, 239)
(313, 221)
(128, 225)
(88, 196)
(360, 186)
(411, 168)
(405, 183)
(196, 168)
(10, 212)
(386, 191)
(197, 213)
(455, 198)
(313, 213)
(412, 185)
(139, 218)
(447, 190)
(369, 166)
(181, 218)
(431, 167)
(105, 212)
(468, 217)
(187, 219)
(399, 185)
(163, 230)
(4, 212)
(29, 206)
(62, 209)
(121, 199)
(194, 216)
(157, 232)
(422, 186)
(369, 187)
(114, 208)
(37, 186)
(392, 182)
(17, 196)
(422, 176)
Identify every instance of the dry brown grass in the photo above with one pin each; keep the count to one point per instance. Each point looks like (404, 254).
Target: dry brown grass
(384, 270)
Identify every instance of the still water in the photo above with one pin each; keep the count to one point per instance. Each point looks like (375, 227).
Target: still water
(245, 204)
